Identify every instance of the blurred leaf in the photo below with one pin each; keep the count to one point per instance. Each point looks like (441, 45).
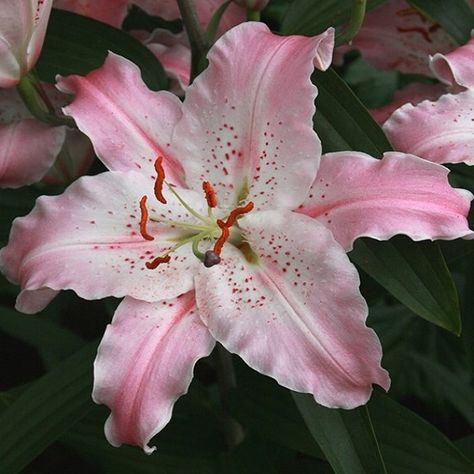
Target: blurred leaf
(75, 44)
(346, 437)
(410, 444)
(341, 121)
(455, 17)
(52, 341)
(415, 274)
(45, 409)
(312, 17)
(466, 446)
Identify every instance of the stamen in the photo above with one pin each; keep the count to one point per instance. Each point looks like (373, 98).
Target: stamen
(144, 219)
(238, 211)
(222, 239)
(211, 197)
(160, 179)
(157, 261)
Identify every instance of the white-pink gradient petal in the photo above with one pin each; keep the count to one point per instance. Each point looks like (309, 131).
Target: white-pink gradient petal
(145, 363)
(247, 119)
(128, 124)
(440, 131)
(355, 195)
(112, 12)
(456, 67)
(88, 239)
(297, 315)
(413, 94)
(396, 36)
(28, 149)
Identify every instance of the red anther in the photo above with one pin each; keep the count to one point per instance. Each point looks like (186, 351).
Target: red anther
(221, 240)
(221, 223)
(238, 211)
(144, 219)
(157, 261)
(211, 197)
(160, 179)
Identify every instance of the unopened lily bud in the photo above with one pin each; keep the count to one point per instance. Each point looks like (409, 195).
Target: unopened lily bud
(22, 28)
(255, 5)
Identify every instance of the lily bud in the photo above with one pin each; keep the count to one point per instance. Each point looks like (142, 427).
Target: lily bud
(22, 28)
(255, 5)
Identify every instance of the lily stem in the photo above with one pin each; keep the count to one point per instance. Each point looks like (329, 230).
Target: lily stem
(355, 23)
(196, 35)
(227, 381)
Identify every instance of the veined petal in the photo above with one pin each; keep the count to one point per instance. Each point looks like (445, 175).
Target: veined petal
(456, 67)
(88, 240)
(41, 19)
(413, 94)
(441, 131)
(355, 195)
(112, 12)
(296, 315)
(396, 36)
(28, 149)
(128, 124)
(247, 119)
(145, 363)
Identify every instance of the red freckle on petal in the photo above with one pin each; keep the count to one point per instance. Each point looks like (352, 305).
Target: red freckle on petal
(421, 31)
(226, 173)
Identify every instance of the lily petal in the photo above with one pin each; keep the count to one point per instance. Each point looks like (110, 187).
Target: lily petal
(28, 149)
(112, 12)
(441, 131)
(396, 36)
(355, 195)
(128, 124)
(296, 315)
(457, 67)
(239, 127)
(145, 363)
(88, 240)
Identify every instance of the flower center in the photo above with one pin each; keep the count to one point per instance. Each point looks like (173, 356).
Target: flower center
(209, 228)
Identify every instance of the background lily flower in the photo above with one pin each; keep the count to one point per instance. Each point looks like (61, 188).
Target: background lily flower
(443, 130)
(284, 296)
(22, 30)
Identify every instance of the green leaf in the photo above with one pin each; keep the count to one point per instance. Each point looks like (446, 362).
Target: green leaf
(346, 437)
(455, 17)
(44, 410)
(416, 274)
(341, 121)
(410, 444)
(312, 17)
(75, 44)
(52, 341)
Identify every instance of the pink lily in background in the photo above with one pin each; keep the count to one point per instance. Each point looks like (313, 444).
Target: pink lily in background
(441, 131)
(195, 225)
(31, 150)
(22, 30)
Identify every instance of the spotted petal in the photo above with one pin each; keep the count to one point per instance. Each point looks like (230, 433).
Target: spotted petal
(441, 131)
(128, 124)
(247, 119)
(356, 195)
(144, 363)
(88, 240)
(457, 67)
(296, 315)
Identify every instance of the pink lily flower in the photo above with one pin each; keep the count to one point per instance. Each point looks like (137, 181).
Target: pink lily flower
(441, 131)
(31, 151)
(396, 36)
(204, 242)
(22, 30)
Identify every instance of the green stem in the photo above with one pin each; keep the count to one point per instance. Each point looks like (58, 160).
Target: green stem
(226, 381)
(253, 15)
(37, 101)
(196, 35)
(355, 23)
